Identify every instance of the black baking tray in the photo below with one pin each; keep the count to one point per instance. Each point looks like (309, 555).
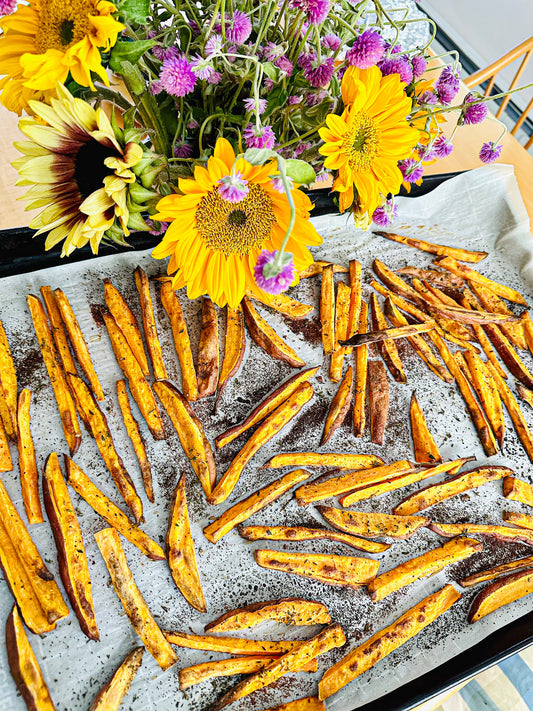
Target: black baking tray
(20, 253)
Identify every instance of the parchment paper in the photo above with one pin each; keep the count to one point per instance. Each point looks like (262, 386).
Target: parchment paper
(478, 210)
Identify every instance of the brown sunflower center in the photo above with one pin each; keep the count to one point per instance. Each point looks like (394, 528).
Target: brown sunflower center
(235, 228)
(62, 23)
(89, 167)
(361, 143)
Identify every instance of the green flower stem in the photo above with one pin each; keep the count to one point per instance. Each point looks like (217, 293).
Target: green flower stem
(300, 47)
(212, 21)
(304, 135)
(283, 175)
(342, 22)
(265, 24)
(223, 20)
(281, 14)
(483, 100)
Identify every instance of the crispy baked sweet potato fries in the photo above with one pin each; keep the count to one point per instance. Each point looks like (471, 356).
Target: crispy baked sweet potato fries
(342, 313)
(208, 359)
(502, 592)
(287, 611)
(361, 375)
(149, 325)
(339, 407)
(340, 460)
(57, 327)
(29, 475)
(126, 321)
(232, 645)
(387, 349)
(6, 463)
(378, 390)
(137, 440)
(282, 303)
(308, 703)
(425, 448)
(301, 533)
(497, 571)
(372, 525)
(501, 533)
(463, 255)
(327, 310)
(109, 698)
(518, 490)
(235, 345)
(8, 387)
(182, 343)
(265, 336)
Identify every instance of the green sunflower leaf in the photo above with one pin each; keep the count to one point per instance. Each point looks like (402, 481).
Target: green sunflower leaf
(135, 10)
(128, 52)
(300, 171)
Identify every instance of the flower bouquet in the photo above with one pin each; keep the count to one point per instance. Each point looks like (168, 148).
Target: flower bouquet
(201, 122)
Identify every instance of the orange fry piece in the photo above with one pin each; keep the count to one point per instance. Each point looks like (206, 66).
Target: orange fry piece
(282, 303)
(331, 569)
(356, 271)
(134, 433)
(468, 300)
(425, 448)
(268, 405)
(386, 641)
(487, 393)
(434, 277)
(519, 519)
(342, 311)
(502, 533)
(502, 592)
(274, 423)
(390, 333)
(327, 310)
(190, 432)
(449, 324)
(79, 344)
(472, 276)
(235, 345)
(231, 645)
(96, 423)
(57, 327)
(509, 356)
(372, 525)
(339, 406)
(317, 266)
(527, 324)
(300, 533)
(265, 336)
(255, 502)
(130, 596)
(109, 698)
(127, 323)
(422, 566)
(287, 611)
(29, 476)
(378, 390)
(463, 255)
(518, 490)
(208, 350)
(387, 349)
(6, 463)
(495, 572)
(323, 459)
(150, 328)
(492, 302)
(361, 376)
(198, 673)
(181, 553)
(525, 394)
(182, 343)
(8, 386)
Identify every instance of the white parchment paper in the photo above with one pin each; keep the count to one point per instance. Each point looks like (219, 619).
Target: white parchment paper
(478, 210)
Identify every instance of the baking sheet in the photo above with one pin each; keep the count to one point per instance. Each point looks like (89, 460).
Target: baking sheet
(487, 214)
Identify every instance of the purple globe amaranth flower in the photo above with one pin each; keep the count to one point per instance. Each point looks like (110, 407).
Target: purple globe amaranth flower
(301, 148)
(320, 76)
(393, 50)
(156, 87)
(447, 85)
(233, 188)
(193, 125)
(201, 67)
(397, 65)
(156, 231)
(182, 149)
(367, 50)
(428, 97)
(277, 184)
(285, 65)
(269, 84)
(442, 147)
(313, 98)
(214, 78)
(272, 51)
(419, 64)
(315, 10)
(249, 105)
(294, 99)
(412, 171)
(239, 28)
(279, 282)
(214, 44)
(331, 42)
(177, 77)
(490, 152)
(474, 112)
(306, 59)
(259, 136)
(385, 214)
(194, 27)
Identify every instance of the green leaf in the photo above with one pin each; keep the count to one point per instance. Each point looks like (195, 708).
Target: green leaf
(258, 156)
(135, 10)
(133, 77)
(129, 52)
(271, 71)
(300, 171)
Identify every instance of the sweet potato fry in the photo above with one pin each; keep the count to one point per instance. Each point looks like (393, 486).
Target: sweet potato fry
(487, 393)
(130, 596)
(518, 490)
(139, 386)
(231, 645)
(190, 432)
(463, 255)
(378, 390)
(356, 479)
(372, 525)
(283, 304)
(6, 463)
(57, 327)
(425, 448)
(387, 349)
(309, 703)
(182, 343)
(247, 507)
(65, 403)
(73, 567)
(433, 277)
(502, 592)
(29, 477)
(491, 302)
(339, 407)
(466, 316)
(399, 301)
(513, 408)
(299, 533)
(434, 305)
(502, 533)
(24, 666)
(386, 641)
(111, 514)
(134, 433)
(361, 376)
(422, 566)
(109, 698)
(327, 310)
(8, 386)
(356, 271)
(389, 333)
(287, 611)
(223, 667)
(96, 423)
(491, 573)
(518, 519)
(127, 323)
(331, 637)
(471, 275)
(265, 337)
(323, 459)
(317, 266)
(509, 356)
(382, 487)
(342, 312)
(79, 344)
(268, 405)
(458, 484)
(527, 324)
(208, 350)
(34, 588)
(395, 283)
(525, 394)
(235, 345)
(346, 571)
(150, 328)
(181, 553)
(274, 423)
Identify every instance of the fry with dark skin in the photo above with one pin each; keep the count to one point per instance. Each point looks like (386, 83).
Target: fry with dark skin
(208, 350)
(372, 525)
(492, 302)
(127, 323)
(339, 407)
(265, 336)
(502, 592)
(361, 376)
(472, 276)
(378, 391)
(57, 327)
(29, 476)
(487, 393)
(235, 345)
(231, 645)
(342, 309)
(509, 356)
(327, 310)
(425, 448)
(317, 266)
(463, 255)
(8, 386)
(24, 666)
(6, 463)
(491, 573)
(356, 271)
(132, 600)
(71, 556)
(387, 349)
(432, 276)
(323, 459)
(470, 317)
(134, 433)
(518, 490)
(182, 343)
(287, 611)
(283, 304)
(110, 697)
(389, 334)
(427, 300)
(150, 328)
(309, 703)
(502, 533)
(299, 533)
(525, 394)
(274, 423)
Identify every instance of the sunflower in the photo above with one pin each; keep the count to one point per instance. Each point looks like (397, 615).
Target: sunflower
(45, 40)
(78, 172)
(365, 144)
(214, 243)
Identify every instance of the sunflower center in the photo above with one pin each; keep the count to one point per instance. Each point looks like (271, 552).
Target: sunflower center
(89, 167)
(361, 143)
(62, 23)
(235, 230)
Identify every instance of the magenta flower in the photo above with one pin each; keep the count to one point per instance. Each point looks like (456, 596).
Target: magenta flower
(447, 85)
(316, 10)
(279, 282)
(249, 105)
(201, 67)
(386, 214)
(285, 65)
(269, 84)
(214, 78)
(239, 28)
(306, 59)
(366, 50)
(320, 76)
(411, 170)
(156, 231)
(272, 51)
(397, 65)
(428, 97)
(233, 188)
(331, 41)
(322, 176)
(214, 44)
(490, 152)
(419, 64)
(313, 98)
(177, 78)
(259, 137)
(277, 184)
(442, 147)
(474, 112)
(293, 100)
(182, 149)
